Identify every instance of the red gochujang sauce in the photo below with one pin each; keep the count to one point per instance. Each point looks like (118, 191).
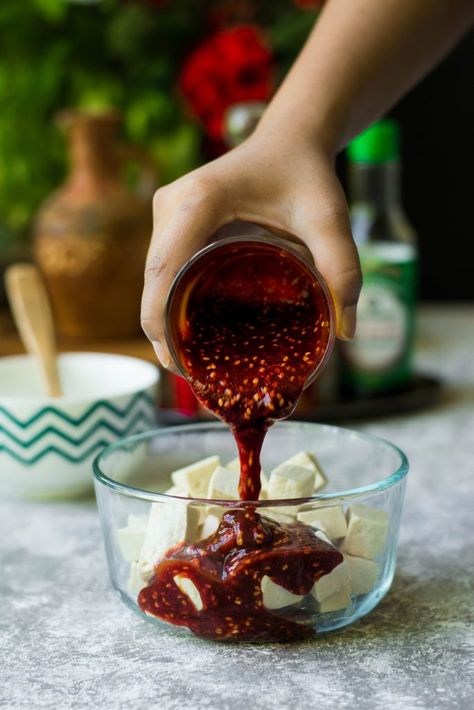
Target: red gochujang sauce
(249, 330)
(227, 569)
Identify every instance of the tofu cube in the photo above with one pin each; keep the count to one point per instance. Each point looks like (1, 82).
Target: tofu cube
(309, 461)
(364, 573)
(130, 539)
(264, 489)
(224, 484)
(322, 534)
(330, 584)
(366, 531)
(275, 596)
(202, 512)
(331, 518)
(135, 581)
(209, 526)
(277, 516)
(135, 520)
(234, 465)
(168, 525)
(177, 491)
(187, 586)
(338, 601)
(289, 481)
(194, 479)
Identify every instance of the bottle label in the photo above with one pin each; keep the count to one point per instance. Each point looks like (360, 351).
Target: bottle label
(381, 354)
(381, 329)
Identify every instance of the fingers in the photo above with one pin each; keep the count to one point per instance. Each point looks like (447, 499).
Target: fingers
(185, 215)
(188, 212)
(324, 225)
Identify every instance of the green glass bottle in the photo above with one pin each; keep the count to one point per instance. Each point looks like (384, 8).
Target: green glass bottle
(380, 358)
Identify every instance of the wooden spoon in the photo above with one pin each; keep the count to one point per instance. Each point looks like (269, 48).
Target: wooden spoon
(31, 311)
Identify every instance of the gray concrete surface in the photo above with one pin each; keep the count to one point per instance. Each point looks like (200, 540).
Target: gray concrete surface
(68, 642)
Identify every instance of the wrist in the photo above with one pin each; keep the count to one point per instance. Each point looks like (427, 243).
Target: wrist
(292, 128)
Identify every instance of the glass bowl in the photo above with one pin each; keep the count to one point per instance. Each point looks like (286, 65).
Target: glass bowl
(352, 523)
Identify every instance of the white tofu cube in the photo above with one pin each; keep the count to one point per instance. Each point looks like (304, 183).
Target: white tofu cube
(331, 518)
(322, 534)
(224, 484)
(177, 491)
(209, 526)
(329, 584)
(264, 489)
(277, 516)
(366, 531)
(130, 539)
(135, 520)
(289, 511)
(216, 510)
(309, 461)
(277, 597)
(187, 586)
(288, 481)
(135, 582)
(194, 479)
(169, 524)
(202, 512)
(338, 601)
(364, 574)
(234, 465)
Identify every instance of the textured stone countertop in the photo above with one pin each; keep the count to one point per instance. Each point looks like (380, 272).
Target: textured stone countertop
(68, 642)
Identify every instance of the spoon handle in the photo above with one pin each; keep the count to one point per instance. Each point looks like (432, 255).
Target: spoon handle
(31, 311)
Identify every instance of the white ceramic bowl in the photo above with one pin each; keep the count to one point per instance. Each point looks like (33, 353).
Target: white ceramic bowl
(47, 445)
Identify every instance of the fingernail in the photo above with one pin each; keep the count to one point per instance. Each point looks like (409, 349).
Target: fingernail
(348, 322)
(161, 354)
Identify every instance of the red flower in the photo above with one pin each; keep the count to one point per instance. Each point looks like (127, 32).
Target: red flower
(230, 66)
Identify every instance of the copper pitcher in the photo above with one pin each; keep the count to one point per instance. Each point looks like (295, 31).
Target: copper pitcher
(91, 235)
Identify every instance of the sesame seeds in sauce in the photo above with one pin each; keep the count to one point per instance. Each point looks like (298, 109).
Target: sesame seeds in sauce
(254, 326)
(227, 569)
(249, 331)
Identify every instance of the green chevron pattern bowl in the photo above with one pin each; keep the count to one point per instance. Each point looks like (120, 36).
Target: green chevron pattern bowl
(47, 445)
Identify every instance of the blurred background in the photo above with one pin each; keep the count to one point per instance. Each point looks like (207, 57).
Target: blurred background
(162, 62)
(103, 101)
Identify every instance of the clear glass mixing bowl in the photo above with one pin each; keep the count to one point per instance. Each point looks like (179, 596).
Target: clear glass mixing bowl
(358, 512)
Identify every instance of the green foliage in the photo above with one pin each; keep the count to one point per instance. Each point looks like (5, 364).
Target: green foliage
(287, 33)
(115, 53)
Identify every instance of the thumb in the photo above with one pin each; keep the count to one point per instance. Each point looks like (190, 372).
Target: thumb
(182, 226)
(328, 235)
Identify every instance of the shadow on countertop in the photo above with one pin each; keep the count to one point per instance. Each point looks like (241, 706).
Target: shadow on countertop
(416, 607)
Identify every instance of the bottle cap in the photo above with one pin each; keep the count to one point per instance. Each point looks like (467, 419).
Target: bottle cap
(380, 143)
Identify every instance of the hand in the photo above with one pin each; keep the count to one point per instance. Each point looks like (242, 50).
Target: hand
(286, 185)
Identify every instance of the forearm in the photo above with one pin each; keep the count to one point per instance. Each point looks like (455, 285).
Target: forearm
(360, 58)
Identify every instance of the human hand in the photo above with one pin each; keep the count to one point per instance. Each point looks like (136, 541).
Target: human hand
(288, 186)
